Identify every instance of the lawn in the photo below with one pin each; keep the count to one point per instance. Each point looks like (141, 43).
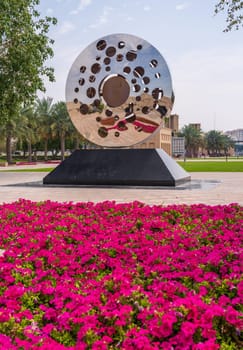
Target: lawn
(190, 166)
(212, 166)
(113, 276)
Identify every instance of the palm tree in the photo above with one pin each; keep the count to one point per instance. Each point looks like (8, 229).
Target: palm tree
(29, 128)
(193, 139)
(62, 125)
(11, 129)
(216, 142)
(44, 115)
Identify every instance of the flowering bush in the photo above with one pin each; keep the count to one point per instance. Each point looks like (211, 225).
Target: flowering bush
(120, 276)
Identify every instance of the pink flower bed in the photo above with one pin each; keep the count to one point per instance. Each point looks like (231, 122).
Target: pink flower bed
(120, 276)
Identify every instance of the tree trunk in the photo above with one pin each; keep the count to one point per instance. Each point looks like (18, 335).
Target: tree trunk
(62, 141)
(76, 146)
(45, 149)
(29, 152)
(9, 148)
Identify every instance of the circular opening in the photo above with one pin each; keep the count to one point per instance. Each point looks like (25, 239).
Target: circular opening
(92, 78)
(153, 63)
(146, 80)
(136, 88)
(138, 72)
(96, 67)
(131, 55)
(119, 57)
(84, 109)
(127, 70)
(82, 69)
(107, 60)
(115, 90)
(81, 81)
(101, 45)
(90, 92)
(110, 51)
(121, 44)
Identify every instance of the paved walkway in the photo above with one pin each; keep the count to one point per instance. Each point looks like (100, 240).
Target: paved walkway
(228, 188)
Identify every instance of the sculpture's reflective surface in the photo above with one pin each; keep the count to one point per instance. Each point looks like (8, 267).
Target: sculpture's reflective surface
(118, 91)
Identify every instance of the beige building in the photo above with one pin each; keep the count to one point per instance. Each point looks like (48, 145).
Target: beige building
(163, 138)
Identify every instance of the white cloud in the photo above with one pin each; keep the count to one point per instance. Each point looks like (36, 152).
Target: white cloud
(49, 11)
(103, 18)
(147, 8)
(81, 6)
(66, 27)
(182, 6)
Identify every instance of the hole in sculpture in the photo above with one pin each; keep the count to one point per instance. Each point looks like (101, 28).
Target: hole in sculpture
(146, 80)
(138, 72)
(84, 109)
(119, 57)
(131, 55)
(110, 51)
(81, 81)
(153, 63)
(121, 44)
(82, 69)
(101, 45)
(157, 93)
(115, 90)
(127, 70)
(107, 60)
(103, 132)
(95, 68)
(91, 92)
(92, 78)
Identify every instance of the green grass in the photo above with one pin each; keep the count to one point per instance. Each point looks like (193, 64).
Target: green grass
(211, 166)
(27, 170)
(190, 166)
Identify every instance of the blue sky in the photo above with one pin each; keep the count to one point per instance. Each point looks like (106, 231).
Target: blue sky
(206, 64)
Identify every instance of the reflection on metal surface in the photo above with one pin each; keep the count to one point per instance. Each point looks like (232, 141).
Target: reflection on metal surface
(118, 90)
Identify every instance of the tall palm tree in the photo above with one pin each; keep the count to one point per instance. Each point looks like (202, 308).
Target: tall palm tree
(62, 125)
(11, 129)
(216, 142)
(29, 128)
(44, 110)
(193, 139)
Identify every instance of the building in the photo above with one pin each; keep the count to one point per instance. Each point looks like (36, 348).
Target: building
(196, 126)
(236, 135)
(163, 138)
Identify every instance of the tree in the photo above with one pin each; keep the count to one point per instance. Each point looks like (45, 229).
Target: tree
(216, 143)
(193, 139)
(62, 125)
(44, 114)
(234, 13)
(29, 129)
(24, 47)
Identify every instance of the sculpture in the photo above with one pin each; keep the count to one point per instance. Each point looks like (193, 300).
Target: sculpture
(118, 91)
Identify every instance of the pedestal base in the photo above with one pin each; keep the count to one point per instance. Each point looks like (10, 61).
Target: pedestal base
(118, 167)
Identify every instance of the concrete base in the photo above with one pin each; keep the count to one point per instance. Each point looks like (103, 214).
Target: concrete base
(129, 167)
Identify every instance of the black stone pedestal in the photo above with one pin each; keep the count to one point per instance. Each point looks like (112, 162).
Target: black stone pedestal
(118, 167)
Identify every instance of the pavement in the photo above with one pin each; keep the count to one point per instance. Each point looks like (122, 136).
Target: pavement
(208, 188)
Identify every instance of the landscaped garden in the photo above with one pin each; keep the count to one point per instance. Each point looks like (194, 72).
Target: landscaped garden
(120, 276)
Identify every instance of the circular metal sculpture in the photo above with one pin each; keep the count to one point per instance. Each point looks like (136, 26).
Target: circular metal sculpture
(118, 91)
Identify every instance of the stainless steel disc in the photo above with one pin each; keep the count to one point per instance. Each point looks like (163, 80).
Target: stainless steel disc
(118, 91)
